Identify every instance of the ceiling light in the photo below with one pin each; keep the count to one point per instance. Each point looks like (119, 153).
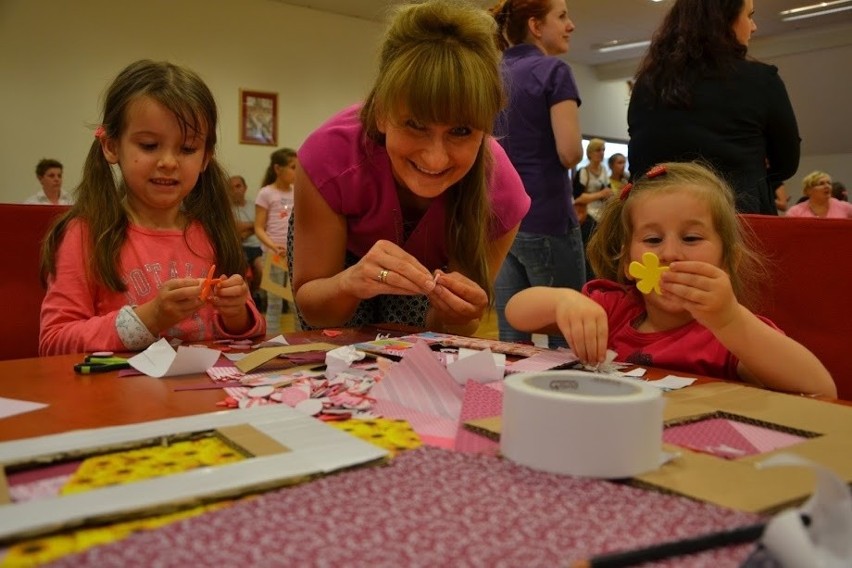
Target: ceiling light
(616, 45)
(813, 10)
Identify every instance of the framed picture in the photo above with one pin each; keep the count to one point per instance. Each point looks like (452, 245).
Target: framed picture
(258, 118)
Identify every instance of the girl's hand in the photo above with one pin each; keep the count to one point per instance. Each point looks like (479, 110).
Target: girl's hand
(176, 300)
(584, 324)
(229, 297)
(386, 269)
(703, 290)
(456, 299)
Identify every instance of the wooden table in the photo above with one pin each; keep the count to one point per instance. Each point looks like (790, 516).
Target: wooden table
(105, 399)
(91, 401)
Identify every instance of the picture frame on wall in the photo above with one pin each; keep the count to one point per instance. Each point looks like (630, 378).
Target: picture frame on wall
(258, 118)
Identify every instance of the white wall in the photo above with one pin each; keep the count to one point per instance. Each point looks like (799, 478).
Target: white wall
(57, 58)
(603, 111)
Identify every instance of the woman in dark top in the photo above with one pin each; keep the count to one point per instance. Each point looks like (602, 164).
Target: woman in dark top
(697, 97)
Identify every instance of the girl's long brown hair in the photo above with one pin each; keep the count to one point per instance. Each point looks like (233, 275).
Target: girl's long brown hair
(99, 198)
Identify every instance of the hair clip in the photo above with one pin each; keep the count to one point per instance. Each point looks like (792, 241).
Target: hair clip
(625, 192)
(656, 171)
(100, 132)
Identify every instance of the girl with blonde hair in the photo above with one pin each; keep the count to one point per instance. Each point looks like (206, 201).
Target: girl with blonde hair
(693, 316)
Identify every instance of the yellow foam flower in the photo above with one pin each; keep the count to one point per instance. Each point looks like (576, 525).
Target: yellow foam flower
(647, 273)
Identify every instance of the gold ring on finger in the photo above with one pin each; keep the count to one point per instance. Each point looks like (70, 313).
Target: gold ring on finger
(383, 275)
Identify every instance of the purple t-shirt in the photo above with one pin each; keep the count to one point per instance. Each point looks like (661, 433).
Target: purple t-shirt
(535, 82)
(354, 176)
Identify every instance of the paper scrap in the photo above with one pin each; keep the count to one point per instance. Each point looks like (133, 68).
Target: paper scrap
(421, 383)
(672, 382)
(827, 541)
(482, 366)
(543, 361)
(160, 360)
(11, 406)
(340, 359)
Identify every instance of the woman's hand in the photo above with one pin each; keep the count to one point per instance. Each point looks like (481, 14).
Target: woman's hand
(456, 299)
(386, 269)
(584, 324)
(703, 290)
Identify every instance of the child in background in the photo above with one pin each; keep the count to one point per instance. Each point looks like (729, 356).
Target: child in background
(244, 216)
(685, 215)
(127, 264)
(272, 209)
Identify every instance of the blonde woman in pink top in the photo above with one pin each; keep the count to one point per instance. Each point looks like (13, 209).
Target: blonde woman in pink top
(820, 203)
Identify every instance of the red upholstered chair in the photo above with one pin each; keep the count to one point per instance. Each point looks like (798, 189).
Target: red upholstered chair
(809, 292)
(24, 227)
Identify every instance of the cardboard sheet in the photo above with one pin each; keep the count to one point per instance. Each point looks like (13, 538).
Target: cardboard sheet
(266, 354)
(738, 483)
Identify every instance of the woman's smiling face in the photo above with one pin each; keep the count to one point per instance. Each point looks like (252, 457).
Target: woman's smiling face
(428, 159)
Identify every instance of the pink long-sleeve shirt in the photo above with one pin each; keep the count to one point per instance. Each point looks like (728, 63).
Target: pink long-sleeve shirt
(79, 314)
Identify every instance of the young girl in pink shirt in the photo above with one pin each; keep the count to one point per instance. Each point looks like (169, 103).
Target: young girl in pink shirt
(153, 251)
(695, 321)
(272, 209)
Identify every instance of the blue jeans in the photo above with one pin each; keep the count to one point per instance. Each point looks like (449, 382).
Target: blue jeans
(275, 303)
(539, 260)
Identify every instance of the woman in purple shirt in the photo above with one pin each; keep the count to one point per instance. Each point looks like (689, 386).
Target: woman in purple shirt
(540, 131)
(404, 206)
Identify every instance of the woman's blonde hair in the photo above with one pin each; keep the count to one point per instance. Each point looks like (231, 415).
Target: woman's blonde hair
(595, 144)
(813, 178)
(609, 246)
(439, 64)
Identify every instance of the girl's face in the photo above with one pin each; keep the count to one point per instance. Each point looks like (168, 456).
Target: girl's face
(160, 167)
(428, 159)
(618, 166)
(555, 29)
(674, 226)
(285, 175)
(744, 25)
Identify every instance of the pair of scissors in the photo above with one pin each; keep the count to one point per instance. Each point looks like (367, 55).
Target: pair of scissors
(94, 364)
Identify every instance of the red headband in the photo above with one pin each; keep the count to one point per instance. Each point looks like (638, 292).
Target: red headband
(656, 171)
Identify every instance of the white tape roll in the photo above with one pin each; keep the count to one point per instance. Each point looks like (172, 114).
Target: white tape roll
(585, 424)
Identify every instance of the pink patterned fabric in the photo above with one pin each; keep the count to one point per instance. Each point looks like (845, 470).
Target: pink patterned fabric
(480, 401)
(728, 438)
(429, 507)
